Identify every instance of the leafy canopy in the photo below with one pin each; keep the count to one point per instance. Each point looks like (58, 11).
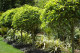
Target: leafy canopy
(60, 11)
(6, 18)
(27, 17)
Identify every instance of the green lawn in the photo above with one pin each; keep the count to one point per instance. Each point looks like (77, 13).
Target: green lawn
(5, 48)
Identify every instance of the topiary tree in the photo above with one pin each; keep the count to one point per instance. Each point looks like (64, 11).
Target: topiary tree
(27, 18)
(62, 16)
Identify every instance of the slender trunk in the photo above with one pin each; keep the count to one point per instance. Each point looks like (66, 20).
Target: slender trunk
(72, 35)
(21, 35)
(14, 34)
(2, 35)
(33, 37)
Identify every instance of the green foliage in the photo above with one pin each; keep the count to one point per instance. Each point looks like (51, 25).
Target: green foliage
(10, 32)
(8, 4)
(26, 38)
(6, 18)
(50, 45)
(58, 15)
(40, 3)
(3, 30)
(10, 35)
(56, 10)
(1, 13)
(62, 17)
(29, 2)
(4, 5)
(0, 17)
(27, 17)
(77, 38)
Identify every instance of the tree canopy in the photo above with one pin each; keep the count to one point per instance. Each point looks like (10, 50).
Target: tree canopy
(62, 16)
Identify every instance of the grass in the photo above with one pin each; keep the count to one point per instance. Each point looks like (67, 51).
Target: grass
(5, 48)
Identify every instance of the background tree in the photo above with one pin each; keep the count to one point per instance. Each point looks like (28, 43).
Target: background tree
(8, 4)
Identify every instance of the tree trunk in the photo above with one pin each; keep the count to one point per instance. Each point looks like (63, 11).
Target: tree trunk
(72, 35)
(2, 35)
(33, 37)
(14, 34)
(21, 35)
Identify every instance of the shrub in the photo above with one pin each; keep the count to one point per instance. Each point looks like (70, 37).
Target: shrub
(26, 38)
(51, 45)
(10, 35)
